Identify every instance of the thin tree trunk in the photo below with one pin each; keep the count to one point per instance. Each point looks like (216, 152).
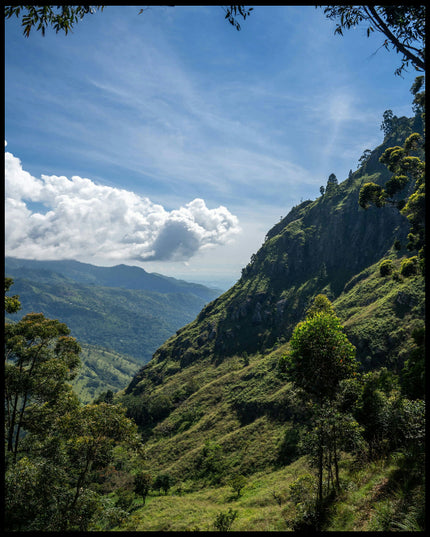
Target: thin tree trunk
(336, 465)
(320, 474)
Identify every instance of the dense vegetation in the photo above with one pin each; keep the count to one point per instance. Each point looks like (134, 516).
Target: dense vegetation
(293, 401)
(123, 309)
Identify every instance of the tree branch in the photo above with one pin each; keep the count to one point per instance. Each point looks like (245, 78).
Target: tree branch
(377, 20)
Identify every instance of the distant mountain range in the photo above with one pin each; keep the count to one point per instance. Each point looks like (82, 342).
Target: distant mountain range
(124, 276)
(123, 308)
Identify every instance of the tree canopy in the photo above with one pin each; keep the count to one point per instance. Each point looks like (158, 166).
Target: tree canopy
(63, 18)
(321, 354)
(402, 26)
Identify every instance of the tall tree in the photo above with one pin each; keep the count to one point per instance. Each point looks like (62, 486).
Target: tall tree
(321, 354)
(40, 357)
(332, 183)
(321, 357)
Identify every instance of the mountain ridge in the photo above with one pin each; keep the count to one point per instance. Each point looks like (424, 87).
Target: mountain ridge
(131, 320)
(216, 378)
(125, 276)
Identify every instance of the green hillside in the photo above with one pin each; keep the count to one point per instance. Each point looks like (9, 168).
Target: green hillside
(212, 403)
(227, 437)
(124, 276)
(245, 406)
(102, 370)
(134, 322)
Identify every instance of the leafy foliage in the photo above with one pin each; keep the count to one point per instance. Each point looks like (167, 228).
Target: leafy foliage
(11, 303)
(40, 358)
(406, 168)
(386, 267)
(60, 18)
(231, 12)
(54, 445)
(224, 521)
(402, 26)
(321, 355)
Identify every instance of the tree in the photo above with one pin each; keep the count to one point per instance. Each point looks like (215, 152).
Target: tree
(322, 190)
(387, 123)
(412, 376)
(402, 26)
(91, 432)
(332, 431)
(321, 357)
(54, 444)
(321, 354)
(163, 482)
(11, 303)
(40, 357)
(142, 484)
(331, 183)
(406, 168)
(237, 482)
(50, 486)
(364, 157)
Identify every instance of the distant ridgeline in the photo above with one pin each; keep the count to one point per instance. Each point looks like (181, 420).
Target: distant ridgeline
(122, 308)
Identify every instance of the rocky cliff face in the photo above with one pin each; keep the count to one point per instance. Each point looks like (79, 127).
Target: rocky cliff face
(318, 247)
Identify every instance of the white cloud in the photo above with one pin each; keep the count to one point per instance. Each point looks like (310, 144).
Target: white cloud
(81, 219)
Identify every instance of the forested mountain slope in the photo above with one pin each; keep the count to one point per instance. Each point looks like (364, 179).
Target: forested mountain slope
(211, 403)
(319, 247)
(124, 276)
(108, 307)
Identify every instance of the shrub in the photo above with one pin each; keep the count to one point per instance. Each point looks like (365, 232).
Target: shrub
(237, 482)
(224, 521)
(125, 499)
(409, 266)
(163, 482)
(303, 493)
(386, 267)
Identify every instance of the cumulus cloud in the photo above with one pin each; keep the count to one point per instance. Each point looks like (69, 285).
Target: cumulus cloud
(57, 218)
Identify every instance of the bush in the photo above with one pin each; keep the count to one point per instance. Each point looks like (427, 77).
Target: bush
(125, 499)
(409, 266)
(163, 482)
(224, 521)
(303, 493)
(386, 267)
(237, 482)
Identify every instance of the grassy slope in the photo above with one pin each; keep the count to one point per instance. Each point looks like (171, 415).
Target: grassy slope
(263, 504)
(133, 322)
(246, 409)
(102, 370)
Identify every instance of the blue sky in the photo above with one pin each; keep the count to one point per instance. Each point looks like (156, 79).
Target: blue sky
(171, 141)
